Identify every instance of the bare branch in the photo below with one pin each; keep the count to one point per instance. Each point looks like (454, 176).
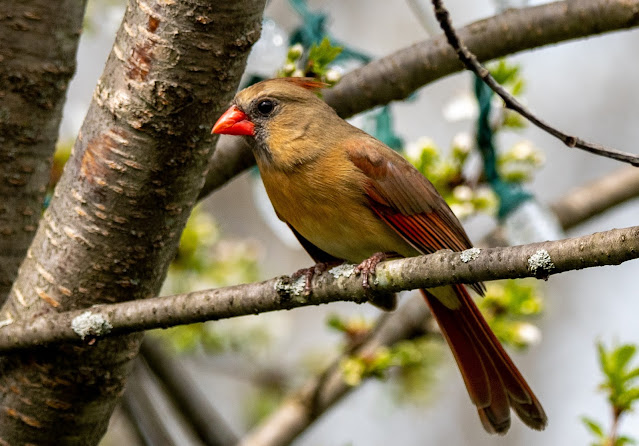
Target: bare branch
(597, 196)
(201, 416)
(444, 267)
(140, 407)
(302, 408)
(472, 64)
(400, 74)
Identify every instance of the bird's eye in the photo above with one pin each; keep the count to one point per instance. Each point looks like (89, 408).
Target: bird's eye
(265, 107)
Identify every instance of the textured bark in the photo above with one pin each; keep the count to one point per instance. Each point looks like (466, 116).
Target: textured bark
(117, 213)
(592, 199)
(36, 66)
(444, 267)
(398, 75)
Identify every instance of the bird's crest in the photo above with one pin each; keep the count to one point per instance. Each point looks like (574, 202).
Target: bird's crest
(307, 83)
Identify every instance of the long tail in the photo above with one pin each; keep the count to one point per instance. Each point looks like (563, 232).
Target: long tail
(492, 379)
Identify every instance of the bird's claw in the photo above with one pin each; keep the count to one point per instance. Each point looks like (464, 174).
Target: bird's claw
(368, 266)
(309, 273)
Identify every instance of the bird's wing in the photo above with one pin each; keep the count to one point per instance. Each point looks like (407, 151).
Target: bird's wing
(401, 196)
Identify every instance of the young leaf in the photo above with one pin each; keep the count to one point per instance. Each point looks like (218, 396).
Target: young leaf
(594, 427)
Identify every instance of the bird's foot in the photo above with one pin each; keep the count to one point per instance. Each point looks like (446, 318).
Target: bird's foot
(367, 268)
(309, 273)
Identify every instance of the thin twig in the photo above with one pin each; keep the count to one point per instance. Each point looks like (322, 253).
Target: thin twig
(441, 268)
(471, 62)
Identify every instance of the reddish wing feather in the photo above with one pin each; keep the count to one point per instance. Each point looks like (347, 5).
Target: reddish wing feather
(396, 187)
(407, 201)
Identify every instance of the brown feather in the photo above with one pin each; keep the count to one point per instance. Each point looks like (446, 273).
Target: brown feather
(407, 201)
(492, 380)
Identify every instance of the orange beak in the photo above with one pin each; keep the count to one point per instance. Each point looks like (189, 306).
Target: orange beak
(234, 122)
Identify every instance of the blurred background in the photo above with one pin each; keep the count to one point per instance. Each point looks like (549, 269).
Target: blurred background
(587, 88)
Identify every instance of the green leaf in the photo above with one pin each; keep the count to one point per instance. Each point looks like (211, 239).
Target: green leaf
(336, 322)
(627, 397)
(594, 427)
(604, 359)
(634, 373)
(622, 355)
(505, 72)
(623, 440)
(320, 56)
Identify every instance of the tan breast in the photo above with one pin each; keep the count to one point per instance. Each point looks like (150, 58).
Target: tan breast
(327, 206)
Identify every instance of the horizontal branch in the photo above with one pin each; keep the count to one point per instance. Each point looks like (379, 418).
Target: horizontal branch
(595, 197)
(398, 75)
(444, 267)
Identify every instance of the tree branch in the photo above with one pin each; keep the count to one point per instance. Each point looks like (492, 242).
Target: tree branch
(115, 220)
(585, 201)
(592, 199)
(539, 260)
(299, 410)
(140, 407)
(35, 70)
(398, 75)
(202, 418)
(471, 63)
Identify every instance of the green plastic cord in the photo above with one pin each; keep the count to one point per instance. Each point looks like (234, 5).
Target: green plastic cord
(511, 195)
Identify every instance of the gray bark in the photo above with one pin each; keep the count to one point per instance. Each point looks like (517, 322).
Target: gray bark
(444, 267)
(36, 66)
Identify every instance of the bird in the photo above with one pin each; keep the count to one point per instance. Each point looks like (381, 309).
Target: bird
(348, 197)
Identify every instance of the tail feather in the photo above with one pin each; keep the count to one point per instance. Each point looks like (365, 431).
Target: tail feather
(493, 381)
(497, 413)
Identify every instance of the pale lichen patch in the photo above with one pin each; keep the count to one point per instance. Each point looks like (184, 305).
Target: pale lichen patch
(89, 324)
(298, 287)
(469, 255)
(540, 263)
(343, 270)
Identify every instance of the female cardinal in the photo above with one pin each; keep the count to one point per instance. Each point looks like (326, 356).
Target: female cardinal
(347, 196)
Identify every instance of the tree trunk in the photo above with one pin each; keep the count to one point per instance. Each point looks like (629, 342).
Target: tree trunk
(36, 66)
(119, 209)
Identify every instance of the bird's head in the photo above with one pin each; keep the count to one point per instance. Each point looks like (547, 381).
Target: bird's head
(279, 114)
